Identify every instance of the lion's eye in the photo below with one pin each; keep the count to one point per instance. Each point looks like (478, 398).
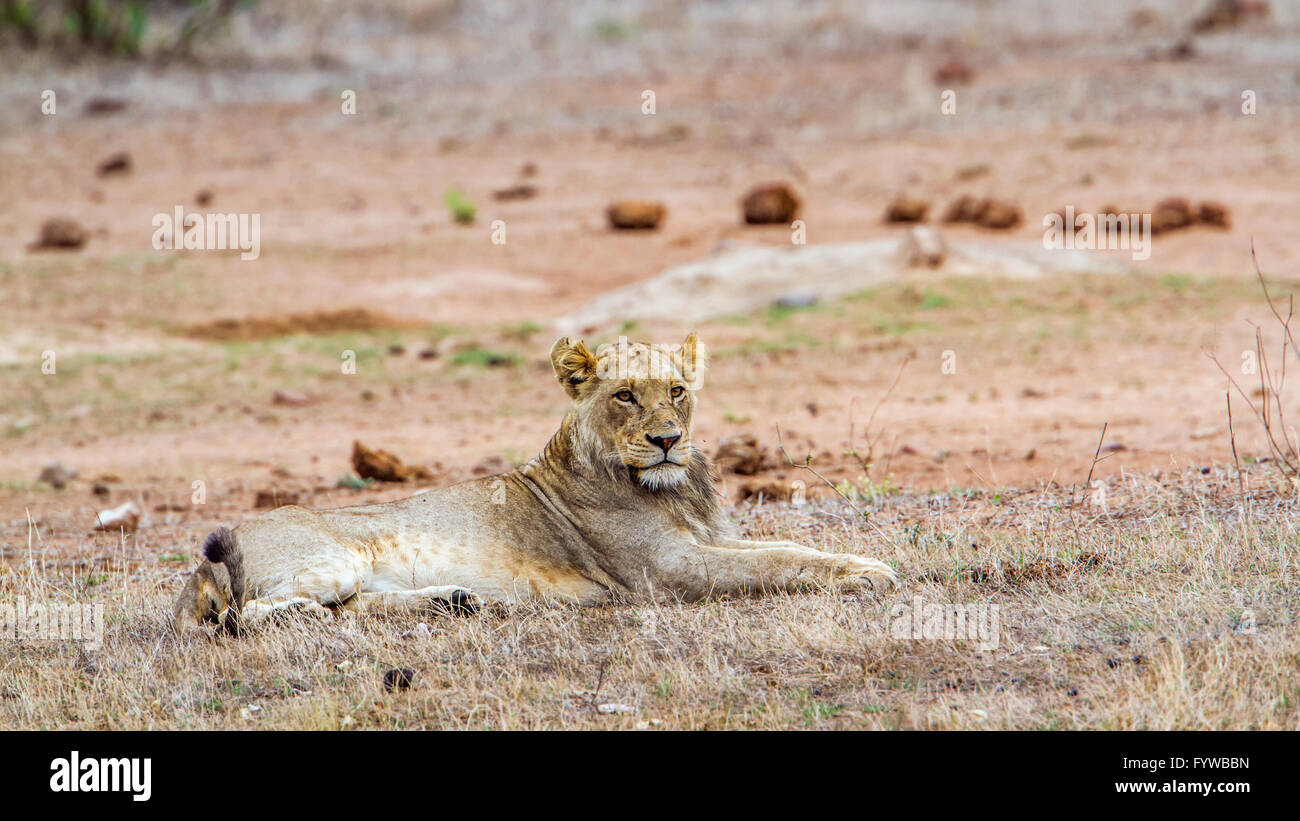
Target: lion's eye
(623, 396)
(677, 391)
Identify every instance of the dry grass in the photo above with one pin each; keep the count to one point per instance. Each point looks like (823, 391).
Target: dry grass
(1133, 617)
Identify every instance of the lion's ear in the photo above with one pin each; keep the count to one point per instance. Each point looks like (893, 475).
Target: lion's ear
(573, 364)
(694, 359)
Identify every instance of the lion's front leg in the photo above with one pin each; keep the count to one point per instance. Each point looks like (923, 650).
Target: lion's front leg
(697, 571)
(259, 612)
(750, 544)
(449, 598)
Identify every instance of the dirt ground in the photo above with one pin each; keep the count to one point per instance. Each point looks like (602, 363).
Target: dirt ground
(450, 332)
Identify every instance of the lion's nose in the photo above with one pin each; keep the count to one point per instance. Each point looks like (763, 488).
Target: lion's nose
(665, 442)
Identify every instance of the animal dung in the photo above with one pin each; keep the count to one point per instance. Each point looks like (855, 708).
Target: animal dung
(741, 454)
(62, 233)
(119, 163)
(906, 209)
(770, 204)
(522, 191)
(986, 212)
(1214, 213)
(383, 466)
(954, 72)
(636, 215)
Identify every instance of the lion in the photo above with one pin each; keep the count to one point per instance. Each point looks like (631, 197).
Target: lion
(619, 503)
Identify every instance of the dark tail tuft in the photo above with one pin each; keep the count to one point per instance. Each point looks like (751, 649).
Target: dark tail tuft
(219, 545)
(221, 548)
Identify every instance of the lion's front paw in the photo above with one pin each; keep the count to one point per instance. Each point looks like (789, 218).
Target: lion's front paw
(459, 602)
(852, 568)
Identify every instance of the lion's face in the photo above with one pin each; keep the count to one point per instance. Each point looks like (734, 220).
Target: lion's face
(635, 403)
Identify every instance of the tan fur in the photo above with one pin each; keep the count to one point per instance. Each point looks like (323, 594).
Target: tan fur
(603, 511)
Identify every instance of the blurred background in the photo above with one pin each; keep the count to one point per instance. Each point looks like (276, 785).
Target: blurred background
(443, 188)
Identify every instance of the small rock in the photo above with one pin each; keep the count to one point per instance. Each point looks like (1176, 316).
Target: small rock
(491, 465)
(124, 517)
(955, 72)
(290, 399)
(396, 350)
(99, 489)
(797, 301)
(119, 163)
(614, 709)
(105, 105)
(636, 215)
(1229, 13)
(1143, 18)
(770, 204)
(56, 475)
(429, 353)
(924, 246)
(522, 191)
(1184, 49)
(399, 678)
(203, 198)
(419, 631)
(970, 172)
(906, 209)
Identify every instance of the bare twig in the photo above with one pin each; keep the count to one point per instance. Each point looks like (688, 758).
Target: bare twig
(1078, 539)
(1270, 412)
(865, 463)
(807, 465)
(1285, 323)
(1241, 480)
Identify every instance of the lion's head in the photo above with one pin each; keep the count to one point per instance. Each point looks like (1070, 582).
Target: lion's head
(634, 404)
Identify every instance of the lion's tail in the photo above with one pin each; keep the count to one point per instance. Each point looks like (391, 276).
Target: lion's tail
(221, 547)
